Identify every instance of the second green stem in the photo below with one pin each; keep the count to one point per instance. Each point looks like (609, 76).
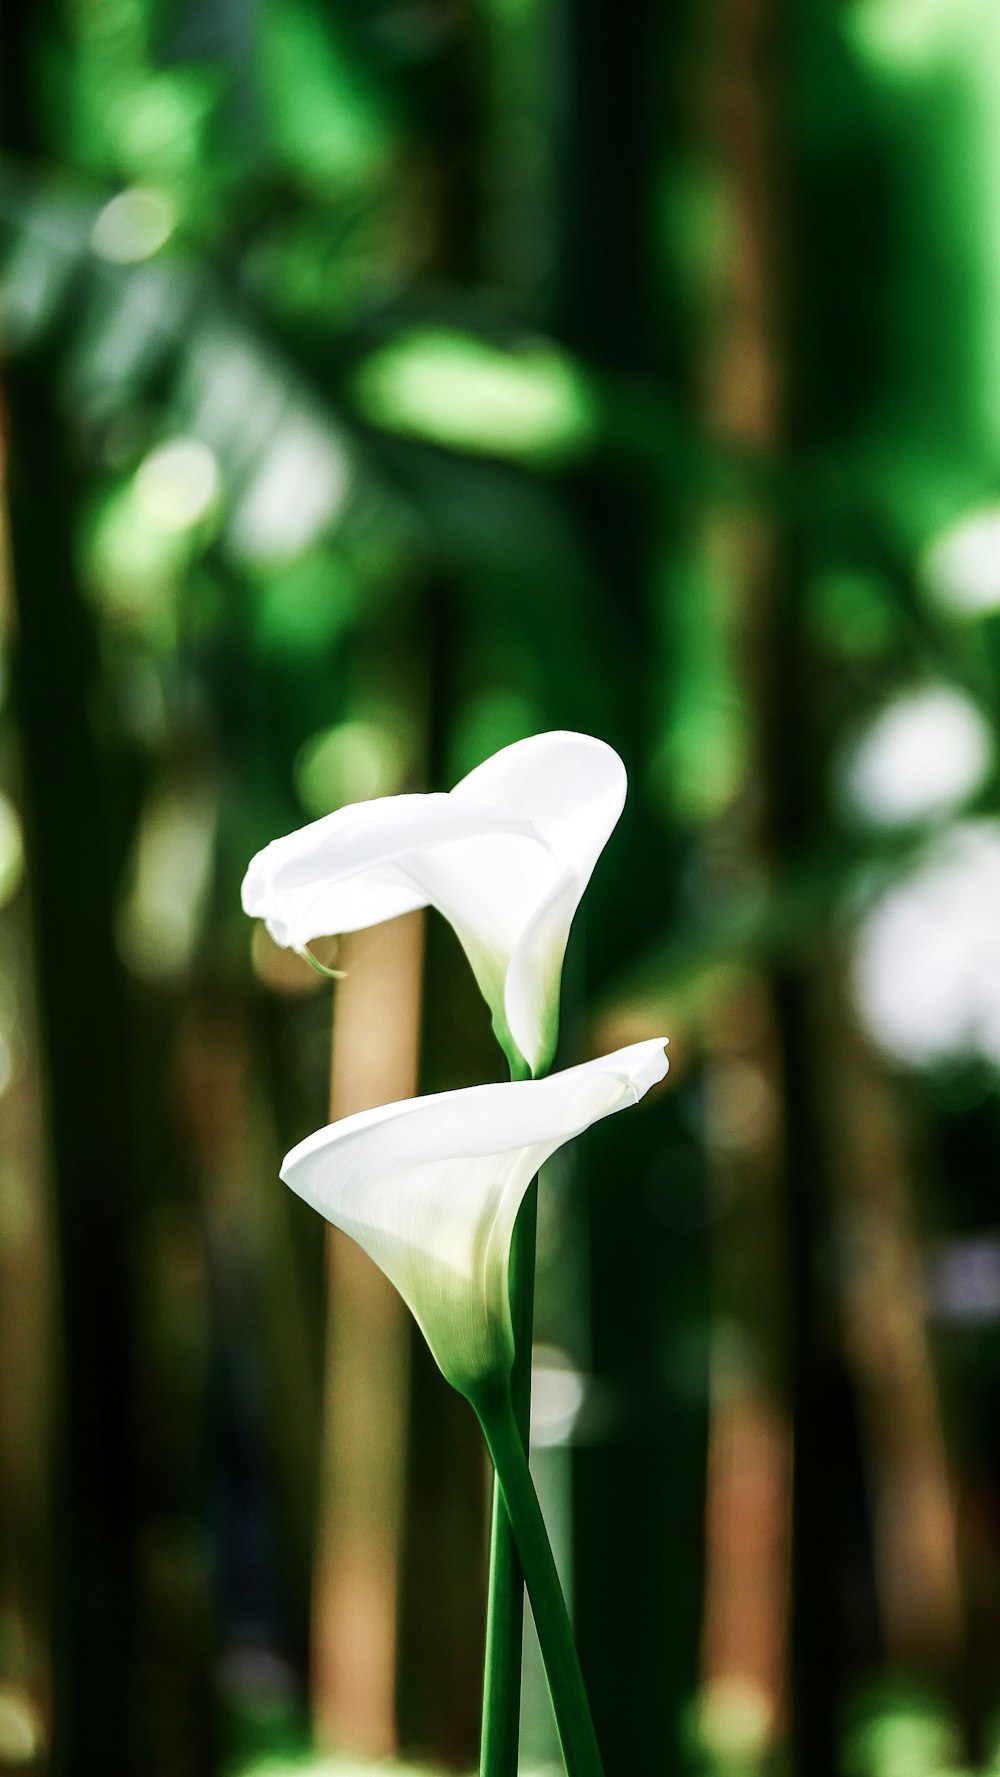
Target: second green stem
(505, 1617)
(562, 1668)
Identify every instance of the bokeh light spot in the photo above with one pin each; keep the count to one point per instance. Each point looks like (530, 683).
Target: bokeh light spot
(557, 1395)
(177, 485)
(734, 1721)
(296, 493)
(464, 392)
(961, 569)
(20, 1728)
(133, 226)
(924, 755)
(903, 1737)
(927, 956)
(11, 850)
(161, 917)
(901, 34)
(350, 763)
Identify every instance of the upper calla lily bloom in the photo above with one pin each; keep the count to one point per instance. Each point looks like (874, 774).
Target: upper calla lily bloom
(431, 1187)
(505, 856)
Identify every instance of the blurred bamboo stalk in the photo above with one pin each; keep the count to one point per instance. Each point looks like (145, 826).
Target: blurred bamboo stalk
(235, 1299)
(376, 1040)
(754, 399)
(27, 1356)
(917, 1572)
(747, 1524)
(87, 1084)
(85, 1055)
(748, 1501)
(27, 1317)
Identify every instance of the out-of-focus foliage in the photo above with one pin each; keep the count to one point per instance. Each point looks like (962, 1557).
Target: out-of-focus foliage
(383, 383)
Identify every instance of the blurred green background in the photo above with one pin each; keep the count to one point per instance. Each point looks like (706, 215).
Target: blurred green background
(385, 380)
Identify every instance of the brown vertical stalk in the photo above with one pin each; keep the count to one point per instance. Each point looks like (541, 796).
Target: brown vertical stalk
(915, 1532)
(745, 1637)
(747, 1510)
(356, 1574)
(26, 1358)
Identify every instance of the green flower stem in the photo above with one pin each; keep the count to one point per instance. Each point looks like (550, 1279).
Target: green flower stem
(505, 1610)
(575, 1726)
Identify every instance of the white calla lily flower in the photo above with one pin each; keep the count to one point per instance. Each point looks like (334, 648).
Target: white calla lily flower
(505, 857)
(431, 1187)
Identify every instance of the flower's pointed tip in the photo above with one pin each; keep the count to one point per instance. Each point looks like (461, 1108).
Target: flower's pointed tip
(562, 763)
(646, 1064)
(600, 755)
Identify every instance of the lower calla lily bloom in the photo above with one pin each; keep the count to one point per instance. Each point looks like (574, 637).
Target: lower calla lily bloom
(505, 857)
(430, 1188)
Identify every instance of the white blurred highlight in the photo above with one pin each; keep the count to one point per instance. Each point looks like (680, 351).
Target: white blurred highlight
(11, 850)
(927, 957)
(926, 754)
(962, 567)
(557, 1394)
(295, 494)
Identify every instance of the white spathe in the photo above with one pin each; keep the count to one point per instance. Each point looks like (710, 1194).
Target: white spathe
(431, 1187)
(505, 857)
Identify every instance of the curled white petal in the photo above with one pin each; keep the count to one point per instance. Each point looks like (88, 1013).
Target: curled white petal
(362, 864)
(572, 788)
(430, 1188)
(505, 857)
